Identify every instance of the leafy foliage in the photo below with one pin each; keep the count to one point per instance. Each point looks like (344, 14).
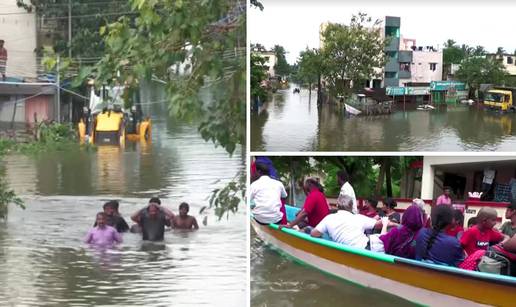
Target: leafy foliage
(193, 46)
(364, 172)
(282, 68)
(228, 199)
(87, 18)
(478, 70)
(7, 196)
(455, 54)
(311, 67)
(258, 74)
(352, 52)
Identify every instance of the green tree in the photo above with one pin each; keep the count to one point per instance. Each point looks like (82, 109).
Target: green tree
(282, 68)
(479, 70)
(87, 17)
(258, 74)
(206, 40)
(352, 52)
(452, 54)
(311, 68)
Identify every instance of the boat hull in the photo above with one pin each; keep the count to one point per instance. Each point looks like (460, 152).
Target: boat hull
(415, 281)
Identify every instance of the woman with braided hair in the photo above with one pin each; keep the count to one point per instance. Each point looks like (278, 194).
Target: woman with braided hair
(434, 245)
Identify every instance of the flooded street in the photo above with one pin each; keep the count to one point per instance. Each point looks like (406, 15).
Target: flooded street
(292, 122)
(279, 281)
(44, 262)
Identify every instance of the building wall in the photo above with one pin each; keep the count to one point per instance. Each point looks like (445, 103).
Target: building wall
(19, 33)
(10, 105)
(420, 67)
(270, 62)
(431, 162)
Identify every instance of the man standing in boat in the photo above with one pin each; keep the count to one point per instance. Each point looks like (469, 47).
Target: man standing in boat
(266, 194)
(346, 188)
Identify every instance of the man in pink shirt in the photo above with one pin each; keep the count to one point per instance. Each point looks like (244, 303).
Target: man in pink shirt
(444, 199)
(103, 234)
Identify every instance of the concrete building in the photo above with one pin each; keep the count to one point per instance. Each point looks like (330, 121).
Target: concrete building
(509, 61)
(25, 102)
(18, 30)
(270, 59)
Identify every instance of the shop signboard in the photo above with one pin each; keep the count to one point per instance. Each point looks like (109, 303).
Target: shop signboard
(395, 91)
(447, 85)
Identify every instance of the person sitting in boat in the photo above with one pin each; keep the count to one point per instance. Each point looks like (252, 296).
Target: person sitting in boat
(347, 228)
(370, 208)
(434, 245)
(456, 229)
(388, 210)
(153, 219)
(483, 234)
(509, 227)
(401, 241)
(346, 188)
(102, 234)
(314, 209)
(113, 217)
(426, 218)
(183, 220)
(266, 194)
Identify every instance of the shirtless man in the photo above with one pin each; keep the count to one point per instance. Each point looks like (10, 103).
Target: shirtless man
(184, 221)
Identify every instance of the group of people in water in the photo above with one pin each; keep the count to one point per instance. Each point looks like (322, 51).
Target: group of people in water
(436, 237)
(151, 221)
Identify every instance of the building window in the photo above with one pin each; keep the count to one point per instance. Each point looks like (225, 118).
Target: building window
(389, 74)
(404, 66)
(433, 66)
(509, 60)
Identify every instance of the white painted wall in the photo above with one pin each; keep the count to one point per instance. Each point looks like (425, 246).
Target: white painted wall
(270, 61)
(430, 162)
(19, 33)
(420, 67)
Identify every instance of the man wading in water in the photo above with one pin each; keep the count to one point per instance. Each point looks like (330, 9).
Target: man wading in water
(184, 221)
(103, 234)
(153, 220)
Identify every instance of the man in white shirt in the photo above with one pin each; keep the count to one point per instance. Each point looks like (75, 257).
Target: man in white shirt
(346, 188)
(266, 194)
(347, 228)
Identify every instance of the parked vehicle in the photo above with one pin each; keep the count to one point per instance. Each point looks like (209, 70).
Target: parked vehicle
(500, 98)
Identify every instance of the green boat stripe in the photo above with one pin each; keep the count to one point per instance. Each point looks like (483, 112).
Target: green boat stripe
(334, 245)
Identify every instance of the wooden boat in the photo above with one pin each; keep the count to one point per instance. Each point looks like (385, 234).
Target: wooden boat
(416, 281)
(351, 110)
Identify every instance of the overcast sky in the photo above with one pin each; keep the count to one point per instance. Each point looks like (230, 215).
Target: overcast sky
(294, 24)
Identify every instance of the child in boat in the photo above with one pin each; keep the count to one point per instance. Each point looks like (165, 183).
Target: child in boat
(509, 227)
(434, 245)
(482, 234)
(370, 208)
(183, 220)
(103, 234)
(456, 229)
(401, 240)
(388, 210)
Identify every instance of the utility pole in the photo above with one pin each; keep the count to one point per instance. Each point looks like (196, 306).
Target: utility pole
(58, 85)
(70, 29)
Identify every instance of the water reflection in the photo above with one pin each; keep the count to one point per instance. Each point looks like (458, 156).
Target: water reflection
(294, 123)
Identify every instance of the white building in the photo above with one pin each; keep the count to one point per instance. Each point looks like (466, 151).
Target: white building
(508, 60)
(18, 30)
(270, 61)
(425, 64)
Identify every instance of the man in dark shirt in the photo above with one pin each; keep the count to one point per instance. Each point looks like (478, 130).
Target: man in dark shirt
(113, 218)
(153, 220)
